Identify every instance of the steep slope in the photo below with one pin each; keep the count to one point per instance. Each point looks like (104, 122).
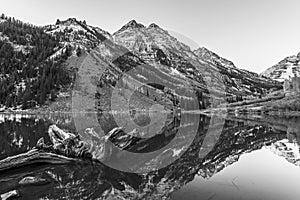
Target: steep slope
(239, 81)
(285, 69)
(203, 67)
(213, 58)
(156, 46)
(76, 34)
(27, 77)
(135, 49)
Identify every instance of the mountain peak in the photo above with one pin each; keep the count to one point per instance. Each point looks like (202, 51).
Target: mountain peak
(153, 25)
(131, 25)
(78, 32)
(69, 21)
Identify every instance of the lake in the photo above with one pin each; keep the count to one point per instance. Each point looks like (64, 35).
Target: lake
(187, 156)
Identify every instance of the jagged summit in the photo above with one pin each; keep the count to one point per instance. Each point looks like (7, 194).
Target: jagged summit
(76, 34)
(134, 24)
(70, 21)
(76, 27)
(146, 40)
(156, 45)
(131, 25)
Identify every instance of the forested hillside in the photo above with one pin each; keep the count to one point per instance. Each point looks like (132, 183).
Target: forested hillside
(33, 60)
(28, 77)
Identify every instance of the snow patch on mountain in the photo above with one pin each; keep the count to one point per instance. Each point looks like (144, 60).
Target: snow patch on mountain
(285, 69)
(3, 20)
(78, 32)
(74, 26)
(76, 35)
(144, 40)
(156, 46)
(17, 47)
(175, 72)
(213, 58)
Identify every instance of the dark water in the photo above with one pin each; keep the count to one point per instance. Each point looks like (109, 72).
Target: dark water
(232, 157)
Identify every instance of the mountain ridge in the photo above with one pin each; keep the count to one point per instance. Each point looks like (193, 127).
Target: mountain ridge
(154, 46)
(284, 69)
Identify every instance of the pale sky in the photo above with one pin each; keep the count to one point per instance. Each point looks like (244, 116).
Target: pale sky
(254, 34)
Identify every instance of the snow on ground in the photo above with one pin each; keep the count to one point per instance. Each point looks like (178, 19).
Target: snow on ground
(60, 51)
(2, 119)
(177, 152)
(285, 69)
(286, 74)
(11, 117)
(2, 20)
(24, 48)
(63, 95)
(57, 53)
(141, 76)
(175, 72)
(3, 37)
(67, 26)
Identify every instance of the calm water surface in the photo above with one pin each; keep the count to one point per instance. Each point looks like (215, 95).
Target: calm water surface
(232, 157)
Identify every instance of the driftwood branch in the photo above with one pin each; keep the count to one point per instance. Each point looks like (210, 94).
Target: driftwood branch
(65, 148)
(31, 157)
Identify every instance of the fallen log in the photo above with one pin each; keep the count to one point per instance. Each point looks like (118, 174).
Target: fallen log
(65, 148)
(33, 156)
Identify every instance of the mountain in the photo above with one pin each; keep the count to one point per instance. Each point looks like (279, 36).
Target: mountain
(50, 61)
(201, 65)
(27, 76)
(285, 69)
(213, 58)
(238, 81)
(76, 33)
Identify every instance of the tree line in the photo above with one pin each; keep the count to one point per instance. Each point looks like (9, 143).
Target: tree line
(28, 76)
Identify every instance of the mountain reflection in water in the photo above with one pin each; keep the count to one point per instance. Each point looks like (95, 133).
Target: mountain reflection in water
(226, 159)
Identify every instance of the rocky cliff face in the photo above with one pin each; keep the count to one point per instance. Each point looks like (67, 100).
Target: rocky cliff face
(156, 46)
(287, 68)
(238, 81)
(76, 34)
(161, 56)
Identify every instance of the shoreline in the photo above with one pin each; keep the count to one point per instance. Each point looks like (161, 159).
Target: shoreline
(212, 111)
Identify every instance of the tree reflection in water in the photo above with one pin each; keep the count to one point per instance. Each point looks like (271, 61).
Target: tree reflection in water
(93, 180)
